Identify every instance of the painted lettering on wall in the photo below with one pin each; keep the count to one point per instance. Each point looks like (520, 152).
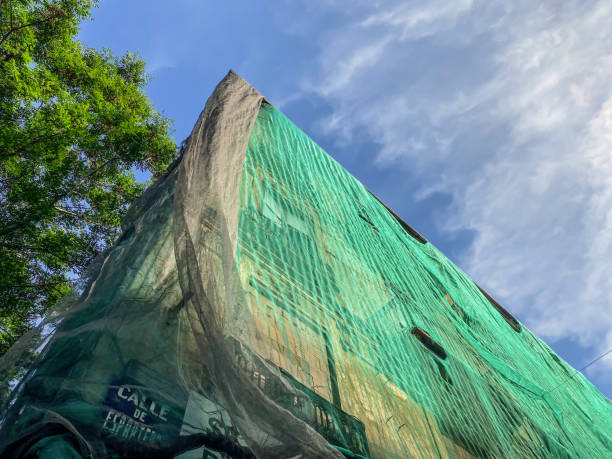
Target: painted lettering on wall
(132, 413)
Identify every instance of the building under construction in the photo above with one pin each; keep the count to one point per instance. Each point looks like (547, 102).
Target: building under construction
(261, 302)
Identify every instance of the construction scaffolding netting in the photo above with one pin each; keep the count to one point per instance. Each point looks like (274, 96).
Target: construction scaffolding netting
(261, 302)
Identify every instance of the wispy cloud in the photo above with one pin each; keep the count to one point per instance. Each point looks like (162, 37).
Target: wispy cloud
(510, 107)
(411, 21)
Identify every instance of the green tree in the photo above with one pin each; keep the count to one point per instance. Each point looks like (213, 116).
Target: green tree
(74, 122)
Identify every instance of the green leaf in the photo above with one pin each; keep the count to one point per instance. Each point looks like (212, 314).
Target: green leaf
(74, 122)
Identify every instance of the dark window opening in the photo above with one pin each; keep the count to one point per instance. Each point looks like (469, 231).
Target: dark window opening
(409, 229)
(559, 362)
(509, 318)
(429, 343)
(444, 373)
(364, 216)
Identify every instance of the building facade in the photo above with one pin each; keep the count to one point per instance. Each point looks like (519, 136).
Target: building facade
(262, 301)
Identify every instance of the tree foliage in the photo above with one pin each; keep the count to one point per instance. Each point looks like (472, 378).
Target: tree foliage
(74, 122)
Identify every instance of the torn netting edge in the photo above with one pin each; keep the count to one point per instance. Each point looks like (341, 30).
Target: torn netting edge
(211, 168)
(161, 314)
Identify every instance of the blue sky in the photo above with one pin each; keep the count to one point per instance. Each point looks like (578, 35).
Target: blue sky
(487, 125)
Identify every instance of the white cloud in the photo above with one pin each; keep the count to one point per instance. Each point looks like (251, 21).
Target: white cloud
(511, 105)
(414, 21)
(363, 58)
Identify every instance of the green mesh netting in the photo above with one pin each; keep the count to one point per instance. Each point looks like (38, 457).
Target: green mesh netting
(261, 302)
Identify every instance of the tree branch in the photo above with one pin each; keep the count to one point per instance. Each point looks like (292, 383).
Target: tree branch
(67, 212)
(23, 26)
(32, 141)
(10, 228)
(53, 13)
